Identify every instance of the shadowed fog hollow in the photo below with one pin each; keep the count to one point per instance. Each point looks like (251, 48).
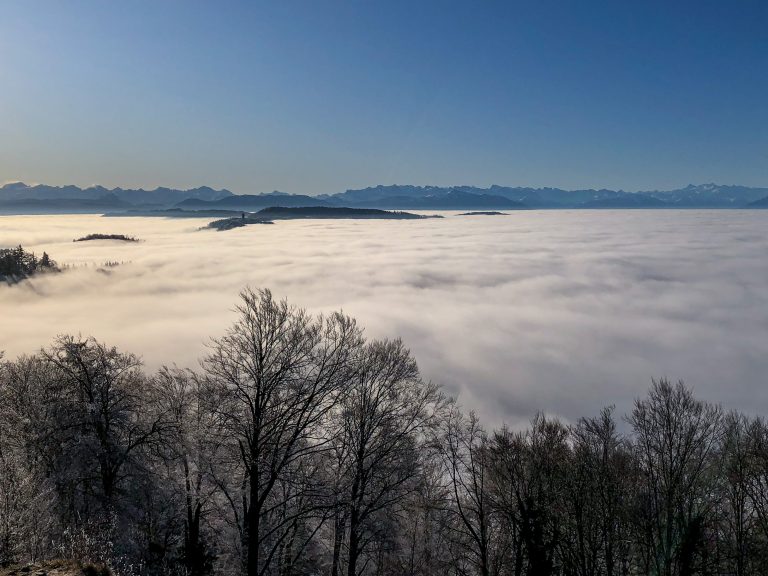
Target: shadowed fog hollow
(554, 311)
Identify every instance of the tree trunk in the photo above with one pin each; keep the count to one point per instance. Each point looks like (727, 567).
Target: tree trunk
(252, 524)
(338, 540)
(354, 542)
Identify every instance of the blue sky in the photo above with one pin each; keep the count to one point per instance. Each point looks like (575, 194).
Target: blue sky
(320, 96)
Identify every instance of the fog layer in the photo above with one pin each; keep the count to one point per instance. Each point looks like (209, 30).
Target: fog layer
(557, 311)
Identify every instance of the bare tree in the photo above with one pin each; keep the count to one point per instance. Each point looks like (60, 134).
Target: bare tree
(599, 499)
(386, 412)
(756, 486)
(187, 461)
(108, 394)
(738, 512)
(427, 517)
(466, 455)
(276, 374)
(676, 439)
(26, 495)
(33, 409)
(300, 448)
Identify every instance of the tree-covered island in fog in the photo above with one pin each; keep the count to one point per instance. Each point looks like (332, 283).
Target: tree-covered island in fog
(17, 264)
(118, 237)
(268, 215)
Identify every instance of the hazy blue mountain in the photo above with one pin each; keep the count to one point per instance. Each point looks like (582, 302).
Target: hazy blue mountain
(395, 196)
(18, 197)
(692, 196)
(370, 195)
(170, 196)
(390, 196)
(627, 201)
(158, 196)
(762, 203)
(554, 197)
(173, 213)
(249, 202)
(710, 196)
(452, 199)
(63, 205)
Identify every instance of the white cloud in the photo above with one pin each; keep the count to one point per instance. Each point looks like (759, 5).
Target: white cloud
(557, 311)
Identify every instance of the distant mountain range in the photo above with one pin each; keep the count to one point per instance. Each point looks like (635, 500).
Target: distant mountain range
(692, 196)
(250, 202)
(22, 198)
(762, 203)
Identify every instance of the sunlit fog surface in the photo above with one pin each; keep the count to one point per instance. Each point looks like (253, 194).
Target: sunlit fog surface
(554, 311)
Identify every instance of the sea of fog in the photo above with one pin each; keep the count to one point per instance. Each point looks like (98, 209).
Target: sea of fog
(555, 311)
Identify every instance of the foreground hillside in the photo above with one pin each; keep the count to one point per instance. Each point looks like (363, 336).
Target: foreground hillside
(58, 568)
(302, 447)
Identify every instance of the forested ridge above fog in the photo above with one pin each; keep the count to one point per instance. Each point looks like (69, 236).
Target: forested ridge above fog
(17, 264)
(300, 447)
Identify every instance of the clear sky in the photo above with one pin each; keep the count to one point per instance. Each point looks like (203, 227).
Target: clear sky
(320, 96)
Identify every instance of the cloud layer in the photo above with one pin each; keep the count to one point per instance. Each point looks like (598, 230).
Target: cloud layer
(554, 311)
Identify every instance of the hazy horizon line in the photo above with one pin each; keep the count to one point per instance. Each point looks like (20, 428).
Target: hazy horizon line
(32, 184)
